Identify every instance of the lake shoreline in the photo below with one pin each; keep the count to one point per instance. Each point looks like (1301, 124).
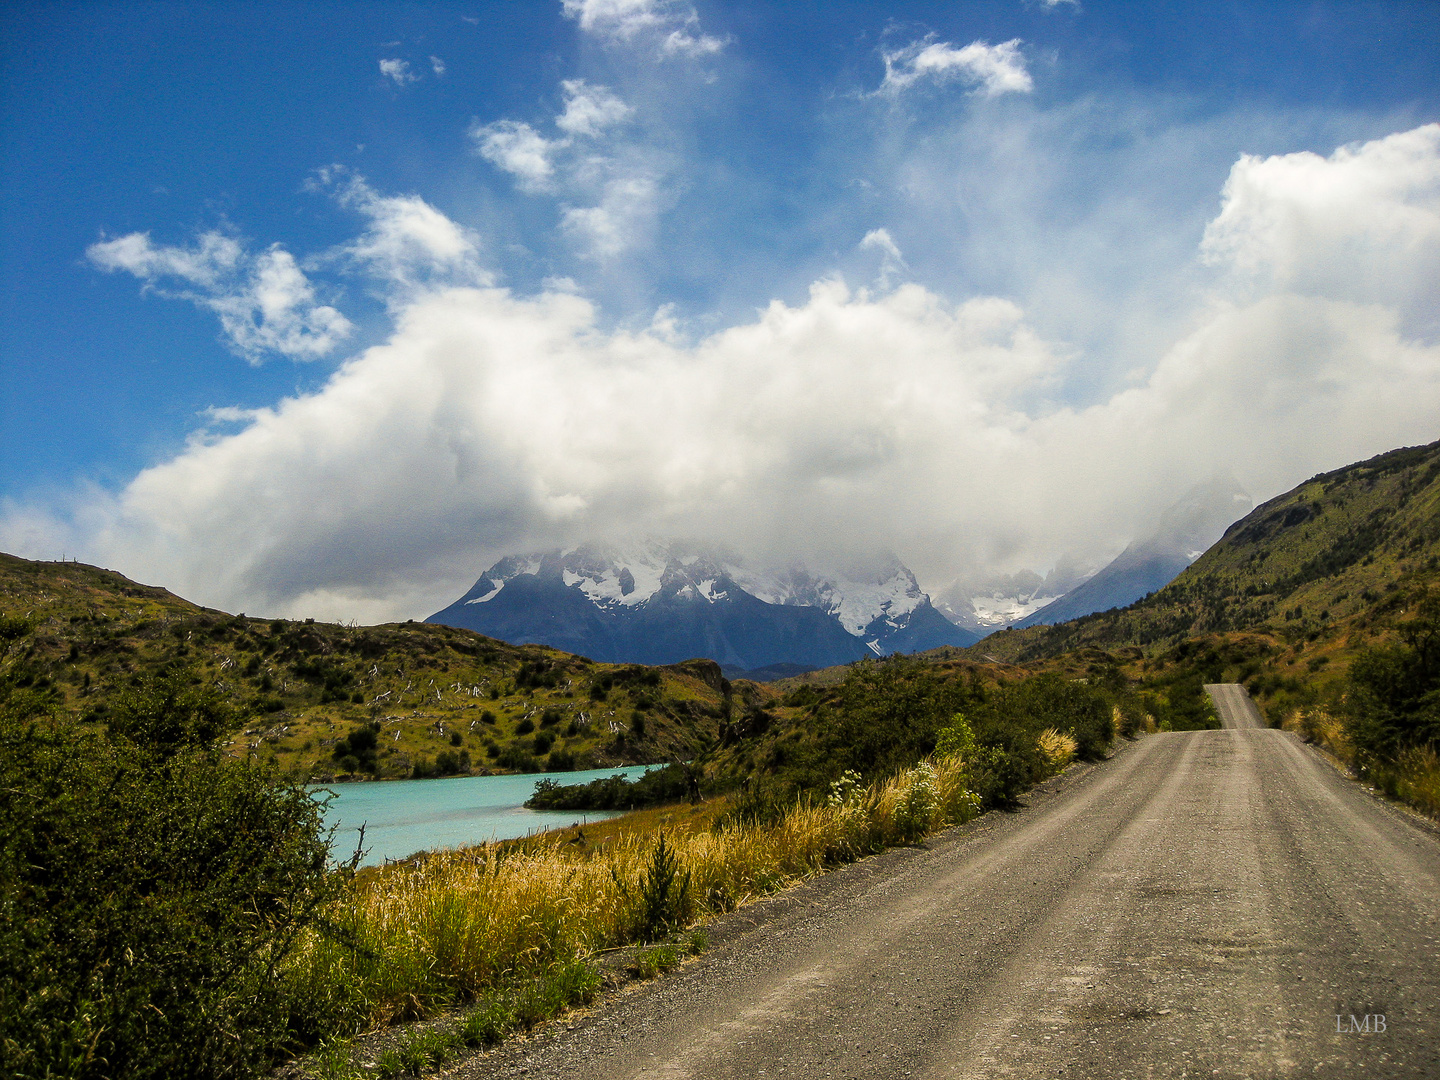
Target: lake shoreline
(405, 819)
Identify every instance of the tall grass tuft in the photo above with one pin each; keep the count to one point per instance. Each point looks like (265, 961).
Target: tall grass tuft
(456, 926)
(1057, 748)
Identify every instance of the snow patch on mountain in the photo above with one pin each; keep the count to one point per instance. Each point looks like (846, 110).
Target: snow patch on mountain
(984, 604)
(856, 596)
(496, 584)
(1004, 610)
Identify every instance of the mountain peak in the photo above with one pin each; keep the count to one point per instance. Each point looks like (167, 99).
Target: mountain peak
(657, 601)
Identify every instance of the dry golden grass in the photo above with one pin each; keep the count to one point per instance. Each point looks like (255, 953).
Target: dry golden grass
(1057, 748)
(1417, 779)
(1320, 726)
(449, 927)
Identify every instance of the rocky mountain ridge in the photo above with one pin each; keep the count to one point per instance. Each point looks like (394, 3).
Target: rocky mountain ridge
(660, 601)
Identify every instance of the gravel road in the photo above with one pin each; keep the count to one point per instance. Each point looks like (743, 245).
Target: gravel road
(1202, 904)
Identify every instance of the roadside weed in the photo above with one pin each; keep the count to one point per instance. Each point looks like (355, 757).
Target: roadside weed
(649, 963)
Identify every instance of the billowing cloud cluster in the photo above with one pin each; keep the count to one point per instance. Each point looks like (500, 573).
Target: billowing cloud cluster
(1296, 222)
(490, 422)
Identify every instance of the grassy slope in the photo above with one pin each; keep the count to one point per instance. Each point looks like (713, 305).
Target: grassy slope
(94, 631)
(1310, 575)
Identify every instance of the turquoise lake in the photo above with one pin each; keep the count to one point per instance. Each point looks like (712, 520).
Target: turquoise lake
(402, 817)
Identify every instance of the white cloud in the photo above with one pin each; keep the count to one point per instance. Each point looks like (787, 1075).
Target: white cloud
(618, 184)
(213, 258)
(519, 149)
(684, 43)
(891, 261)
(264, 302)
(991, 69)
(437, 66)
(399, 71)
(589, 110)
(625, 214)
(1362, 224)
(409, 244)
(671, 24)
(490, 423)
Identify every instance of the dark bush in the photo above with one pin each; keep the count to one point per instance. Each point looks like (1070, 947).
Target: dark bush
(515, 757)
(525, 727)
(449, 763)
(1394, 699)
(1049, 701)
(357, 750)
(536, 674)
(672, 784)
(542, 742)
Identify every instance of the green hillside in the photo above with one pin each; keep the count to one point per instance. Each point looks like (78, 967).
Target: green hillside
(435, 700)
(1324, 566)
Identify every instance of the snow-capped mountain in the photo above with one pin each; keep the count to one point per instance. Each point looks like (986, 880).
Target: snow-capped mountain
(658, 601)
(988, 603)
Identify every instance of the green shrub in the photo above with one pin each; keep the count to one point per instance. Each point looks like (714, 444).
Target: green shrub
(663, 899)
(515, 757)
(151, 890)
(1394, 690)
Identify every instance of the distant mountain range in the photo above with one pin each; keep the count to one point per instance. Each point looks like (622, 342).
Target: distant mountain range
(983, 605)
(663, 601)
(659, 602)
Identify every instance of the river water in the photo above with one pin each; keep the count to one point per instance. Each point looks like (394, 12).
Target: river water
(402, 817)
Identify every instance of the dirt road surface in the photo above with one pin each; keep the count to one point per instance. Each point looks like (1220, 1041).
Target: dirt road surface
(1215, 903)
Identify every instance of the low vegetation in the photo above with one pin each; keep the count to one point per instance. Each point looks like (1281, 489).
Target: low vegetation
(454, 927)
(1385, 722)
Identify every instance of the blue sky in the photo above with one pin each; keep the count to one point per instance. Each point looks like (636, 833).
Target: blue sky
(316, 308)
